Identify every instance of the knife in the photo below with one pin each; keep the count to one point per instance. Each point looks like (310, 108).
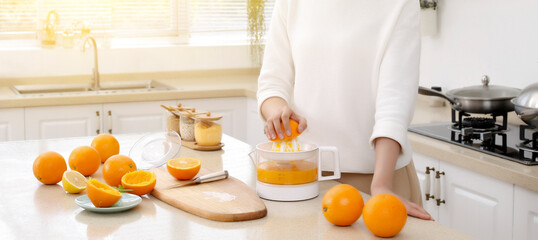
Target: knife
(203, 179)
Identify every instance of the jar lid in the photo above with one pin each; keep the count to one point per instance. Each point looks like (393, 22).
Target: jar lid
(192, 112)
(154, 149)
(208, 117)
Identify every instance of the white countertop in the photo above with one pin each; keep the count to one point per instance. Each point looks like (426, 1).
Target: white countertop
(31, 210)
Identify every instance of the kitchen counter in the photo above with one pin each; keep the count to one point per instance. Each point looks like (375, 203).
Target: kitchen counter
(31, 210)
(488, 165)
(237, 83)
(242, 83)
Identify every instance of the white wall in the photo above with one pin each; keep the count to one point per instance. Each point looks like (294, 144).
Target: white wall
(37, 62)
(475, 37)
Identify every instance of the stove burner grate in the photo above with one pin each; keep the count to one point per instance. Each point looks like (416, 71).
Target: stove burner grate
(528, 144)
(478, 122)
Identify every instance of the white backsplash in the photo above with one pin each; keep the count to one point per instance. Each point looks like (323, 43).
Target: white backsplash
(475, 37)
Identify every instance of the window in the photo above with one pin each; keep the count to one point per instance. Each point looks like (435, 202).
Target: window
(220, 19)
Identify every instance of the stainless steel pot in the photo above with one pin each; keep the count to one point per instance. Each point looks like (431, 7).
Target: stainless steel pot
(526, 105)
(484, 98)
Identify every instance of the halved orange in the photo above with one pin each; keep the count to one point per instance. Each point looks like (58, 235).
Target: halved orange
(141, 182)
(294, 132)
(101, 194)
(183, 168)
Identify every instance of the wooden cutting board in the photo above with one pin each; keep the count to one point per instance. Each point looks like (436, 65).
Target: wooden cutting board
(227, 200)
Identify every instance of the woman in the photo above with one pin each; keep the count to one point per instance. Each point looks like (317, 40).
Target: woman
(351, 68)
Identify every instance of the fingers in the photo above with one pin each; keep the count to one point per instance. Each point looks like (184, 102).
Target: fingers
(269, 130)
(273, 125)
(285, 118)
(301, 120)
(417, 211)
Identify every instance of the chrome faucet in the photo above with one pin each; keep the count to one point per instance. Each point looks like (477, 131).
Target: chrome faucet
(96, 85)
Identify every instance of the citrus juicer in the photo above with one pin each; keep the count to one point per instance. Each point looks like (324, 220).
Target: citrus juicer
(291, 176)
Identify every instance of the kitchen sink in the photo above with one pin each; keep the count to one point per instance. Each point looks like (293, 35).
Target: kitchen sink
(85, 88)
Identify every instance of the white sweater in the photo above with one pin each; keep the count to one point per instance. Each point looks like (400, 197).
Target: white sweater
(350, 67)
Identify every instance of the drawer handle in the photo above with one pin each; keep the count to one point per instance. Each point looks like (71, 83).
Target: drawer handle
(110, 122)
(438, 191)
(98, 122)
(427, 186)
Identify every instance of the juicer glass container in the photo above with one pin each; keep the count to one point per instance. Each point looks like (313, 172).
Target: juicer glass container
(291, 176)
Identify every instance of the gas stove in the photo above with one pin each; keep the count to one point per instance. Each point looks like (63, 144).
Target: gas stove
(490, 134)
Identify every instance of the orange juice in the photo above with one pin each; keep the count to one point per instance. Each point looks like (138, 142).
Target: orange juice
(287, 172)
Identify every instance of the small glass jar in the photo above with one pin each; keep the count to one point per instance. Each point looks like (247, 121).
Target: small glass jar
(207, 133)
(186, 127)
(172, 123)
(68, 38)
(208, 130)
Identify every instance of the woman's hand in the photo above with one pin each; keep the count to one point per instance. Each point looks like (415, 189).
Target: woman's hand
(387, 151)
(412, 208)
(275, 111)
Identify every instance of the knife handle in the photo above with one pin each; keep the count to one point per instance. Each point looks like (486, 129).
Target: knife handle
(212, 177)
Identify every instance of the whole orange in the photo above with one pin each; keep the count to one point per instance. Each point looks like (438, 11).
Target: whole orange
(107, 146)
(85, 160)
(342, 205)
(115, 167)
(140, 181)
(384, 215)
(294, 132)
(49, 167)
(101, 194)
(183, 168)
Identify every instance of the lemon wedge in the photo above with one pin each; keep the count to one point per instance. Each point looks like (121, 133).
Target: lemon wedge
(73, 181)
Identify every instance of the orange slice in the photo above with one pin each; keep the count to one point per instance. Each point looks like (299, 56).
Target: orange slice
(183, 168)
(141, 182)
(294, 133)
(101, 194)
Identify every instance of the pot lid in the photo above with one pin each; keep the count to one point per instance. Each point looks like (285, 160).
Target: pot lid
(528, 97)
(484, 92)
(153, 150)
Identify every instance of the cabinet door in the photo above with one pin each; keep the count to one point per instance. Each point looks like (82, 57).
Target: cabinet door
(233, 111)
(11, 124)
(255, 125)
(62, 121)
(477, 205)
(135, 117)
(525, 214)
(421, 163)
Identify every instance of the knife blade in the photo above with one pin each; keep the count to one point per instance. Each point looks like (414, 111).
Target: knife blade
(202, 179)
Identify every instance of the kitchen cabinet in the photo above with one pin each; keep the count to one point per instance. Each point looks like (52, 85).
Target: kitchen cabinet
(525, 214)
(472, 203)
(11, 124)
(89, 120)
(135, 117)
(129, 117)
(62, 121)
(425, 168)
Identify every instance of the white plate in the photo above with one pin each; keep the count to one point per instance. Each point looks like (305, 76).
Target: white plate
(126, 202)
(153, 150)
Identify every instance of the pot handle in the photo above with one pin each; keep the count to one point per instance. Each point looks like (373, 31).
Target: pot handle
(430, 92)
(528, 115)
(252, 155)
(336, 163)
